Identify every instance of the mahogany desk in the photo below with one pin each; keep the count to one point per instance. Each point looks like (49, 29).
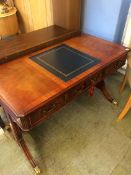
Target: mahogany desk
(29, 93)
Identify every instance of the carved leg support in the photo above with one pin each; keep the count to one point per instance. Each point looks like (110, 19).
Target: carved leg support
(17, 133)
(102, 87)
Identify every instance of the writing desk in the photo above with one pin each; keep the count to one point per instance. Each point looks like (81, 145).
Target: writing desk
(30, 93)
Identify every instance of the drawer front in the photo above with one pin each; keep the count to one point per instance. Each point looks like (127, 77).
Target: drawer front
(96, 78)
(113, 67)
(41, 114)
(46, 110)
(75, 91)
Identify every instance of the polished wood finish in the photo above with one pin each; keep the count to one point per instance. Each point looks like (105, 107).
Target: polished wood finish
(17, 134)
(29, 98)
(27, 77)
(8, 23)
(27, 43)
(101, 85)
(30, 94)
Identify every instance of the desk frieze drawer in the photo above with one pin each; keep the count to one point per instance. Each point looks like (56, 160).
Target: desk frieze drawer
(96, 78)
(75, 91)
(80, 88)
(48, 109)
(114, 67)
(41, 114)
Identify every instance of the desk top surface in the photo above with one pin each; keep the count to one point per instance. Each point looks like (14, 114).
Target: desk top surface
(26, 86)
(20, 45)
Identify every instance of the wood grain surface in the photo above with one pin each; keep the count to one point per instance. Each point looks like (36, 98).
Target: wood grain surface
(25, 86)
(22, 44)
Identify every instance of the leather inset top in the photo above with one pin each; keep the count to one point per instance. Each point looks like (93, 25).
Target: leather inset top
(65, 62)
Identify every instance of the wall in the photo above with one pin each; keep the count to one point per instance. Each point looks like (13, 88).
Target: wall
(105, 18)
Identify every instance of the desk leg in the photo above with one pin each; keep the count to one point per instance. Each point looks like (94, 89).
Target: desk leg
(17, 133)
(101, 85)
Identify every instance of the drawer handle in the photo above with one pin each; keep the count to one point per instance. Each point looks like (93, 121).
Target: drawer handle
(50, 108)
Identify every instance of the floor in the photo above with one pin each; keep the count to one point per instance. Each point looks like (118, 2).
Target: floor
(83, 138)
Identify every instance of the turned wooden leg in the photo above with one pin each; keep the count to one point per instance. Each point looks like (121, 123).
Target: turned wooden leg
(122, 86)
(102, 87)
(17, 133)
(127, 107)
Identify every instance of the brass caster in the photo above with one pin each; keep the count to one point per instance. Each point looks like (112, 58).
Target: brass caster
(37, 170)
(115, 102)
